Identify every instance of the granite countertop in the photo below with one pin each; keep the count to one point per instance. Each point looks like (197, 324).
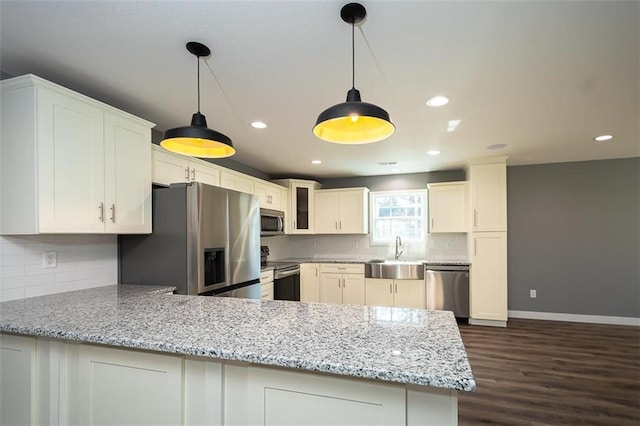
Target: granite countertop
(352, 260)
(400, 345)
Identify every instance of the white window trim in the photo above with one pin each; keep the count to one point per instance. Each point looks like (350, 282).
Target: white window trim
(425, 228)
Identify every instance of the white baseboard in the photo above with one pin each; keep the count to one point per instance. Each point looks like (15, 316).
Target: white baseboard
(596, 319)
(489, 323)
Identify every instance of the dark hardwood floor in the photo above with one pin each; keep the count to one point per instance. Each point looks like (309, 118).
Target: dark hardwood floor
(552, 373)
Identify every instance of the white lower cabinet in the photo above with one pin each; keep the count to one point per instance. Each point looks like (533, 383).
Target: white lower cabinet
(279, 397)
(266, 284)
(488, 277)
(342, 283)
(396, 293)
(46, 381)
(18, 384)
(309, 282)
(117, 387)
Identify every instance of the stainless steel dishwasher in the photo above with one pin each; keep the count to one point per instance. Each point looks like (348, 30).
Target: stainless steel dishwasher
(448, 288)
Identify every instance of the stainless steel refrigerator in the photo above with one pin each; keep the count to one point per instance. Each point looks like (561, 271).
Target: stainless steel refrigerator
(205, 240)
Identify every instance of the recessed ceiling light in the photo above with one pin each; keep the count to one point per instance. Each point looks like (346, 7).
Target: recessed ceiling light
(603, 138)
(496, 146)
(259, 125)
(452, 124)
(433, 152)
(316, 162)
(437, 101)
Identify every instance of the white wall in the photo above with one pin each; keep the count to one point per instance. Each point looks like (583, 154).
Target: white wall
(83, 261)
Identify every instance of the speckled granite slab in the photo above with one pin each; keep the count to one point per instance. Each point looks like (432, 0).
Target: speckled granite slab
(391, 344)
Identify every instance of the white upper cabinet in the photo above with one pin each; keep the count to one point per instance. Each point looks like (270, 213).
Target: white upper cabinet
(488, 196)
(300, 218)
(70, 164)
(342, 211)
(171, 168)
(236, 181)
(271, 196)
(447, 207)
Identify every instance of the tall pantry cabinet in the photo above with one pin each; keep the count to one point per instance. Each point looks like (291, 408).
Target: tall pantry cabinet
(70, 164)
(488, 243)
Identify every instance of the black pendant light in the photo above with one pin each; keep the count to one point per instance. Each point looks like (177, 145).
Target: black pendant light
(197, 140)
(353, 122)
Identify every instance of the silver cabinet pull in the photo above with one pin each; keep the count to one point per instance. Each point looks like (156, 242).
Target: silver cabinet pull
(336, 224)
(101, 209)
(475, 218)
(431, 223)
(395, 287)
(113, 213)
(186, 175)
(193, 175)
(340, 222)
(390, 288)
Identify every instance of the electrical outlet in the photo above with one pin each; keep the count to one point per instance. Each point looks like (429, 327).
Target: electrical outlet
(532, 294)
(49, 259)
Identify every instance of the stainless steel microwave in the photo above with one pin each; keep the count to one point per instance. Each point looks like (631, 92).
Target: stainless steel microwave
(271, 222)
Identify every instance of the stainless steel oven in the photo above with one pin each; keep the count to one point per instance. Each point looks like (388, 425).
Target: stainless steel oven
(286, 280)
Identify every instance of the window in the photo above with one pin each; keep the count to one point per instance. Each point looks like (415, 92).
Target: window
(398, 213)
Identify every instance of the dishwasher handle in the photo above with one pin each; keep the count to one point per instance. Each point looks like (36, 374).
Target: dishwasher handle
(446, 268)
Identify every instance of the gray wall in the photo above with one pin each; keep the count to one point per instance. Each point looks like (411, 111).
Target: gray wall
(574, 236)
(394, 182)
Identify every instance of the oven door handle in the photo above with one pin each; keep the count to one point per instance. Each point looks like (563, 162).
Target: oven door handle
(284, 274)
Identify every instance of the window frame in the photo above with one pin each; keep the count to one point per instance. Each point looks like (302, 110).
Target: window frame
(373, 212)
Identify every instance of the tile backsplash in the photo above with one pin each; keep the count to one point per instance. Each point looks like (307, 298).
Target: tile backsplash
(437, 247)
(83, 261)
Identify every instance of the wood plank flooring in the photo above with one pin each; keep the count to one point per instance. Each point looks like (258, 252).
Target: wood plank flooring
(552, 373)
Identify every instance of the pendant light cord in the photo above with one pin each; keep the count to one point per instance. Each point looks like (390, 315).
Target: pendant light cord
(198, 59)
(353, 55)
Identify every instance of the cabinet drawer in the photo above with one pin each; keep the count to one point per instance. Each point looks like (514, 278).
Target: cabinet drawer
(342, 268)
(266, 276)
(267, 291)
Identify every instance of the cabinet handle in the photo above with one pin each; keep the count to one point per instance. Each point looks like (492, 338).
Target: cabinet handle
(336, 224)
(316, 272)
(340, 222)
(390, 288)
(193, 175)
(186, 175)
(395, 287)
(113, 213)
(101, 209)
(432, 224)
(475, 218)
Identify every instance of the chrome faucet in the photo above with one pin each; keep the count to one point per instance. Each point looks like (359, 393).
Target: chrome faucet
(398, 245)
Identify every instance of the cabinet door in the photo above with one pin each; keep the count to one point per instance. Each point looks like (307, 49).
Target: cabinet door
(236, 182)
(353, 289)
(309, 282)
(18, 384)
(448, 207)
(168, 168)
(127, 175)
(327, 211)
(204, 173)
(331, 288)
(269, 197)
(378, 292)
(489, 197)
(118, 387)
(70, 164)
(409, 294)
(488, 277)
(353, 218)
(302, 208)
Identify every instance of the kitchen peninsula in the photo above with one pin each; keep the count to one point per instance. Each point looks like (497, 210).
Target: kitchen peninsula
(125, 354)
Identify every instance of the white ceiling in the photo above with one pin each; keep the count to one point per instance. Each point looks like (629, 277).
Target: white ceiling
(543, 77)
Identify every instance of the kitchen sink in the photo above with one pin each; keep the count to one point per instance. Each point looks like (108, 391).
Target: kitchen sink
(394, 269)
